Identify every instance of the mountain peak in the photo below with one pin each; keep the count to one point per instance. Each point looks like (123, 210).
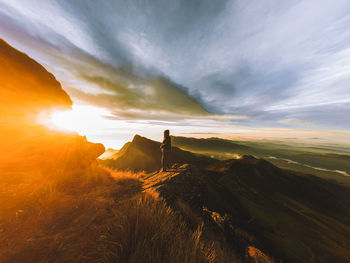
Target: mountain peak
(143, 154)
(137, 137)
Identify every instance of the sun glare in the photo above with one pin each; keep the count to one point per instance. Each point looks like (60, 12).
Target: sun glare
(81, 119)
(63, 119)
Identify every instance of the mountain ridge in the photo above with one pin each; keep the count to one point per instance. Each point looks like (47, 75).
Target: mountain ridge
(142, 154)
(252, 203)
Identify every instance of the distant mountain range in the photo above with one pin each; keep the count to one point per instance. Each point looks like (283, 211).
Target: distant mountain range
(210, 145)
(320, 161)
(328, 164)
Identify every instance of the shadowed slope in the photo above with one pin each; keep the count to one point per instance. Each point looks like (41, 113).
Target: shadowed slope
(293, 217)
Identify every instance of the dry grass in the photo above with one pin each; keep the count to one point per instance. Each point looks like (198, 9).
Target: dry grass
(257, 256)
(87, 216)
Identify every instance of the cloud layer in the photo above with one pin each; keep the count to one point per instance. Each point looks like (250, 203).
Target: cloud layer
(274, 63)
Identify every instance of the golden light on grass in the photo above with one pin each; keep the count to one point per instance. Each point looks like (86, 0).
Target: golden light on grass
(258, 256)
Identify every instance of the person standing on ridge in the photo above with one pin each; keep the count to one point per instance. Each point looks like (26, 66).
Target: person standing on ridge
(166, 151)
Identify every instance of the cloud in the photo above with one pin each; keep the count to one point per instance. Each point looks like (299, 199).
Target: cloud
(91, 80)
(133, 96)
(296, 122)
(269, 60)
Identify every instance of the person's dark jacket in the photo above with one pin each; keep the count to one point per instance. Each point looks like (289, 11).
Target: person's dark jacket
(166, 145)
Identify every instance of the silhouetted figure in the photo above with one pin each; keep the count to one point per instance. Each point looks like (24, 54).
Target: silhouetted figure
(166, 151)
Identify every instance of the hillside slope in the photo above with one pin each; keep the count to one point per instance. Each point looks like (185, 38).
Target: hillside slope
(292, 217)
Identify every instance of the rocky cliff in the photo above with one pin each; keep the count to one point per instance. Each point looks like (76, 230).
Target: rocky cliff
(27, 90)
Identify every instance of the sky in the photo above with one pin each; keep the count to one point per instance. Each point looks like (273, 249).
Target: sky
(229, 68)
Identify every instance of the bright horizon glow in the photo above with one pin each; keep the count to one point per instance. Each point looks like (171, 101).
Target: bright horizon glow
(81, 119)
(95, 123)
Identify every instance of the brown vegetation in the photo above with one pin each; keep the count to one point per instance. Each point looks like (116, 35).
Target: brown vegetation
(249, 202)
(92, 217)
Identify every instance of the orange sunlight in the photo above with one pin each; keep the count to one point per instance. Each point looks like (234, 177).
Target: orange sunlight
(82, 119)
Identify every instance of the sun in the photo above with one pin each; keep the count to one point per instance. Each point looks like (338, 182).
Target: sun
(82, 119)
(63, 120)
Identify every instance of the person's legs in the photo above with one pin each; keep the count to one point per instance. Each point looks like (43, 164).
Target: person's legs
(168, 160)
(164, 165)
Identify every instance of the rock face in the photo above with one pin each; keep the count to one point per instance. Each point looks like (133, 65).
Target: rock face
(252, 203)
(26, 90)
(26, 86)
(143, 154)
